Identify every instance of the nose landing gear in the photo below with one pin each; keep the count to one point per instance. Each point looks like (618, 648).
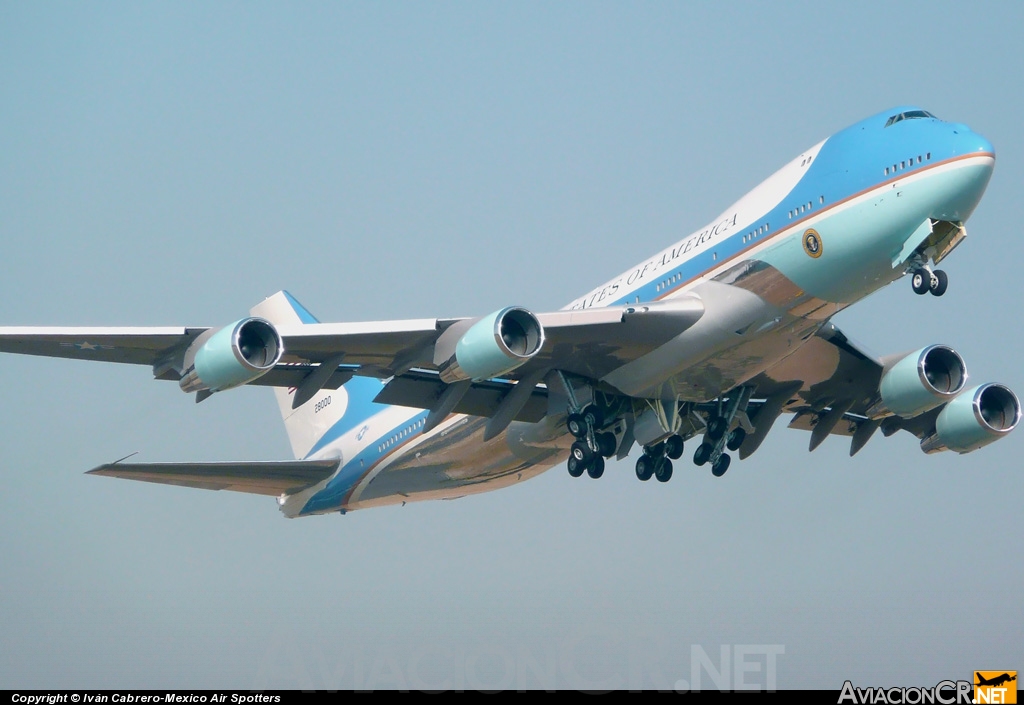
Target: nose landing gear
(924, 280)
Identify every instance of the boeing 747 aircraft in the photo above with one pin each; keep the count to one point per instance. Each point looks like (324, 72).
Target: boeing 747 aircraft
(703, 345)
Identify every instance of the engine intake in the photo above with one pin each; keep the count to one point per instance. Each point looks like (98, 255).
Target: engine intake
(920, 382)
(232, 356)
(495, 345)
(974, 419)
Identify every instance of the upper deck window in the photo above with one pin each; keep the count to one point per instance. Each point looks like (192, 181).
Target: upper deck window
(909, 115)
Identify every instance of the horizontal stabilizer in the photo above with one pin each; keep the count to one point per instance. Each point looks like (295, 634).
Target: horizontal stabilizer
(269, 478)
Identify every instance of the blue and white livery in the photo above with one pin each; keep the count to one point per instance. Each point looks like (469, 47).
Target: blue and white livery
(704, 345)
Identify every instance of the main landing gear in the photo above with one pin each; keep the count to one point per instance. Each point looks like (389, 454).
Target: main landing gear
(592, 446)
(656, 460)
(718, 437)
(924, 280)
(726, 428)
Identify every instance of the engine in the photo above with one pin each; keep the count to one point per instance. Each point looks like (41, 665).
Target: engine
(920, 382)
(495, 345)
(231, 356)
(974, 419)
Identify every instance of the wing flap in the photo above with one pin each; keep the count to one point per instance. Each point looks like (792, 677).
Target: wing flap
(807, 420)
(421, 389)
(267, 478)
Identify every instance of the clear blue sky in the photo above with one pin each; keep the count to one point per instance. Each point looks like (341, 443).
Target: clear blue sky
(174, 163)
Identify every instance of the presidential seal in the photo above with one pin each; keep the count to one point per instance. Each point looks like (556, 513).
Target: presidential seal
(812, 243)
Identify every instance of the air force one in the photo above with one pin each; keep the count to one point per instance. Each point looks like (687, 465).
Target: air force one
(711, 339)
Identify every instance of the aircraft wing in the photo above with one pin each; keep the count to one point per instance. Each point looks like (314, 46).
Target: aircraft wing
(589, 342)
(829, 384)
(137, 346)
(268, 478)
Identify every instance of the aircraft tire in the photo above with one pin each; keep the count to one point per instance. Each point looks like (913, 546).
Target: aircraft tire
(736, 439)
(703, 453)
(576, 467)
(674, 447)
(920, 281)
(644, 468)
(663, 470)
(606, 444)
(596, 467)
(721, 465)
(576, 425)
(581, 451)
(939, 283)
(716, 428)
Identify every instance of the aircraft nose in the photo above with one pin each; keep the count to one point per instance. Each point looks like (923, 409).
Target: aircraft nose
(972, 142)
(978, 144)
(970, 177)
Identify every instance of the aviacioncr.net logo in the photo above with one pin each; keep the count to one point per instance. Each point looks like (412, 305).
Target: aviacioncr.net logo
(944, 693)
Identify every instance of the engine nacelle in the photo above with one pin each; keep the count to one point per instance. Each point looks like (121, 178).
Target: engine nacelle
(232, 356)
(974, 419)
(495, 345)
(920, 382)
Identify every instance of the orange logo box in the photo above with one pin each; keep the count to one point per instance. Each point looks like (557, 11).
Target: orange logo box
(998, 687)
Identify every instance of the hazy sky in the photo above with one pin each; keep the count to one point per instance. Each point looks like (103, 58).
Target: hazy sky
(174, 163)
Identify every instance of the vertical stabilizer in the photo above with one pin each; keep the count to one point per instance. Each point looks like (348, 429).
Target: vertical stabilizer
(330, 412)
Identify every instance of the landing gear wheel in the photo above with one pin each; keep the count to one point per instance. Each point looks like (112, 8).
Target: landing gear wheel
(596, 467)
(576, 425)
(716, 427)
(736, 439)
(606, 444)
(720, 465)
(920, 281)
(576, 467)
(938, 283)
(581, 451)
(593, 416)
(644, 468)
(674, 447)
(663, 470)
(703, 454)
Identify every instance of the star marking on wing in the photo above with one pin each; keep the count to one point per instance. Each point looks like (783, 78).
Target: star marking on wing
(87, 346)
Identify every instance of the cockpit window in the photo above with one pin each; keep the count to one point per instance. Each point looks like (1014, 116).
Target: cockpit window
(909, 115)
